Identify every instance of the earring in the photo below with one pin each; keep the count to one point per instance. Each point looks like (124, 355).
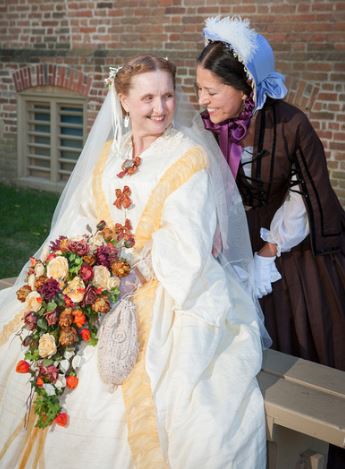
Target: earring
(126, 121)
(244, 99)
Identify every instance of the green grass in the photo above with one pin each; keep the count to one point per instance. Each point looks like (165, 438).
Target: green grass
(25, 217)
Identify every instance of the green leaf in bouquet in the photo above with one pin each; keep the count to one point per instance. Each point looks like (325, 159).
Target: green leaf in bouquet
(93, 341)
(47, 408)
(58, 357)
(51, 306)
(114, 294)
(60, 299)
(34, 342)
(47, 362)
(74, 270)
(32, 356)
(42, 324)
(36, 334)
(42, 310)
(28, 356)
(55, 334)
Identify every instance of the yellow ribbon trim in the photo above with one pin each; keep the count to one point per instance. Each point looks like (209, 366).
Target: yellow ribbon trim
(140, 407)
(179, 173)
(39, 460)
(32, 435)
(11, 439)
(101, 206)
(29, 446)
(141, 412)
(11, 327)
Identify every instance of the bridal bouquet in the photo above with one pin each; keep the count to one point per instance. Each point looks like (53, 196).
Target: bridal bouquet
(65, 297)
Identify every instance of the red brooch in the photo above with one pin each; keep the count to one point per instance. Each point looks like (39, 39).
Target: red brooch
(123, 199)
(125, 232)
(129, 167)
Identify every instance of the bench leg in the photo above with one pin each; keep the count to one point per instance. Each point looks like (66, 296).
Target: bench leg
(287, 449)
(312, 460)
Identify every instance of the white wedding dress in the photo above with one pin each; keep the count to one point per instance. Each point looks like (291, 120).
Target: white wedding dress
(203, 347)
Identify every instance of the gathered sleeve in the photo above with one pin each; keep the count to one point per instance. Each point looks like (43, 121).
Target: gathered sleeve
(182, 252)
(289, 226)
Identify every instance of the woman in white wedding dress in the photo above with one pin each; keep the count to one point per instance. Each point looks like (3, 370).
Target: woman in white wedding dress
(192, 400)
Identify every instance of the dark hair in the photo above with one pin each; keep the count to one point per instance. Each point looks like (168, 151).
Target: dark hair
(138, 65)
(219, 59)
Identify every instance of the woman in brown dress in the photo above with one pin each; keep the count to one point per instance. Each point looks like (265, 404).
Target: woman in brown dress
(296, 223)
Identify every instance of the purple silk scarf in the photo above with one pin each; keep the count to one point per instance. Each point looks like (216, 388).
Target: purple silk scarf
(230, 133)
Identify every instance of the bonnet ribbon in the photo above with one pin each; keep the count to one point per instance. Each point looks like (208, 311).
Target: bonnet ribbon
(229, 133)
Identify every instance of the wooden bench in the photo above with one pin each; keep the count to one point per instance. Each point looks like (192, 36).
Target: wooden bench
(7, 282)
(304, 405)
(305, 410)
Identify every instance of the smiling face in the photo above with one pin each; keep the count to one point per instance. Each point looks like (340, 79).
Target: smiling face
(222, 101)
(150, 103)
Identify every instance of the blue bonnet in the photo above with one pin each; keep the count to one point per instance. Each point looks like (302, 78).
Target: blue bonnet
(254, 51)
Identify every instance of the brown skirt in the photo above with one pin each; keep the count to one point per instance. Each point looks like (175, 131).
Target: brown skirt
(305, 313)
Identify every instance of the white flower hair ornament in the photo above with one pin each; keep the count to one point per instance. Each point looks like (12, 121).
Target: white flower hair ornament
(112, 74)
(235, 32)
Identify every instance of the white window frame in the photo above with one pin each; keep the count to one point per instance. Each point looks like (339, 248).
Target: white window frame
(54, 97)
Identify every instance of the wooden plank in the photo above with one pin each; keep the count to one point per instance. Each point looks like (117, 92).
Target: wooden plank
(7, 282)
(304, 372)
(304, 409)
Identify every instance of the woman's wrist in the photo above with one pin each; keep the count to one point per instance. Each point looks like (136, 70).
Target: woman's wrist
(268, 250)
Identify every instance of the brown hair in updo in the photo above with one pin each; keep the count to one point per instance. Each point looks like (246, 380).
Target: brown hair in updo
(138, 65)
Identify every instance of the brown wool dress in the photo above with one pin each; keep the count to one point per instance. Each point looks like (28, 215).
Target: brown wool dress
(305, 313)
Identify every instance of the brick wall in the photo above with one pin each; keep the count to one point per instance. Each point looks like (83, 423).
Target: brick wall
(85, 37)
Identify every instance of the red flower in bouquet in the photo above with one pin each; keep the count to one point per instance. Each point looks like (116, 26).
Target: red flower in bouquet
(49, 289)
(58, 244)
(90, 295)
(106, 254)
(61, 419)
(52, 318)
(86, 272)
(79, 318)
(72, 382)
(85, 334)
(79, 247)
(30, 320)
(50, 372)
(23, 367)
(39, 382)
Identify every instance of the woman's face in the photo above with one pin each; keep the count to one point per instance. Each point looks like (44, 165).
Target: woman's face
(150, 103)
(222, 101)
